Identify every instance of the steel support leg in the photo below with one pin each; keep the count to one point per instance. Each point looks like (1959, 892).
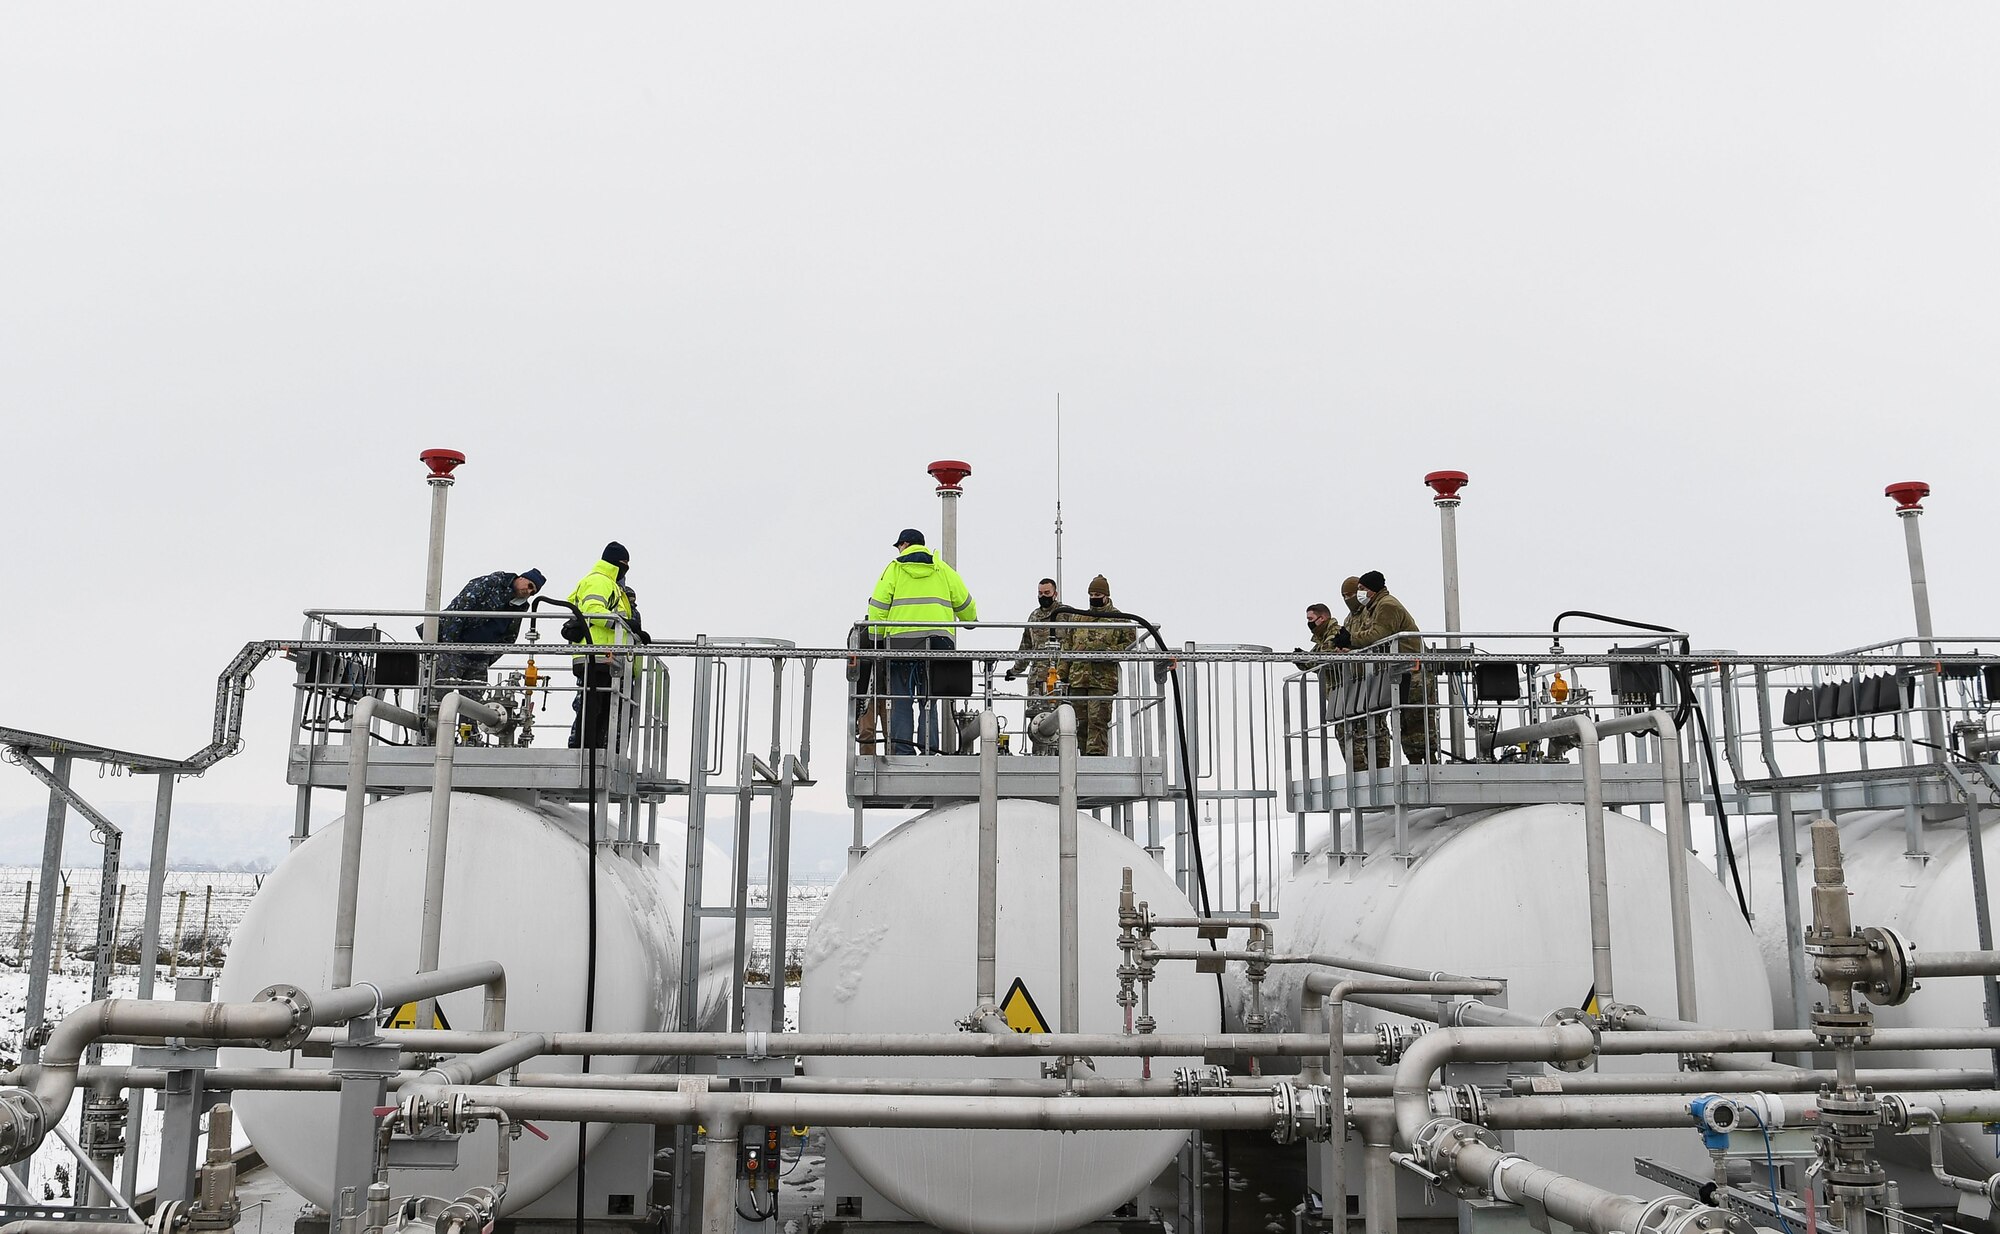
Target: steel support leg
(43, 954)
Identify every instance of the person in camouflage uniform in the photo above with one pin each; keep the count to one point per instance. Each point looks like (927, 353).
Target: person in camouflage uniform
(1359, 731)
(1092, 684)
(1039, 671)
(500, 592)
(1381, 616)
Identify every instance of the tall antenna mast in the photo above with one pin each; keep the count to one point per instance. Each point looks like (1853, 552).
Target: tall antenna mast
(1059, 590)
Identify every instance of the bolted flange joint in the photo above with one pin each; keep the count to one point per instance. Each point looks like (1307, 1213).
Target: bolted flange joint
(301, 1004)
(1189, 1081)
(22, 1125)
(1303, 1112)
(1701, 1219)
(1437, 1143)
(1574, 1015)
(1391, 1040)
(1890, 968)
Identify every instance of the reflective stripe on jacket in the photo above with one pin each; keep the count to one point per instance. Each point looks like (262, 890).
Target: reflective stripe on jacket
(601, 594)
(918, 594)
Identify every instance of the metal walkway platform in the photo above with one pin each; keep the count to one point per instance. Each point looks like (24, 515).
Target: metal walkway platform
(1481, 784)
(920, 781)
(559, 773)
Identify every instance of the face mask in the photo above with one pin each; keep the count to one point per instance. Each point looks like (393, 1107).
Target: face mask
(1364, 596)
(1100, 601)
(1042, 601)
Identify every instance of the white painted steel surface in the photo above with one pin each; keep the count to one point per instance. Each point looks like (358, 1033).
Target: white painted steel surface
(1928, 902)
(894, 950)
(515, 891)
(1503, 894)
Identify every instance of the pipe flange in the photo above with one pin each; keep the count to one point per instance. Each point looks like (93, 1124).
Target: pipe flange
(22, 1125)
(417, 1112)
(1835, 1028)
(166, 1218)
(1466, 1102)
(1894, 965)
(1392, 1040)
(1703, 1220)
(1302, 1112)
(1189, 1081)
(1436, 1144)
(301, 1004)
(1563, 1016)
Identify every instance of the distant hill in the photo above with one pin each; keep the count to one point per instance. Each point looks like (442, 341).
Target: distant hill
(206, 835)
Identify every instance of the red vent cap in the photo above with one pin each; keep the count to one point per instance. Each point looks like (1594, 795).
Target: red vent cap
(1447, 483)
(441, 462)
(1909, 494)
(949, 472)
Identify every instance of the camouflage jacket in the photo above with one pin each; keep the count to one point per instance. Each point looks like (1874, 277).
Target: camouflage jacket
(1384, 616)
(1038, 640)
(1325, 639)
(488, 593)
(1095, 633)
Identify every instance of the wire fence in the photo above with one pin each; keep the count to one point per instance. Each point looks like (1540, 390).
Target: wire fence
(199, 913)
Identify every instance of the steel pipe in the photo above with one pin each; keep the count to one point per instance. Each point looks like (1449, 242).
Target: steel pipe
(1367, 967)
(439, 834)
(1428, 1053)
(360, 727)
(1069, 1014)
(280, 1019)
(986, 997)
(1247, 1112)
(1956, 963)
(886, 1045)
(1789, 1080)
(718, 1174)
(1324, 1005)
(486, 1064)
(1596, 866)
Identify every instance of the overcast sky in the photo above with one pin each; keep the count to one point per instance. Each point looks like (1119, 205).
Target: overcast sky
(1682, 287)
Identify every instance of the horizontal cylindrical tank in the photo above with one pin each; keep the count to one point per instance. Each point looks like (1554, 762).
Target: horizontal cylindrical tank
(1928, 900)
(894, 950)
(1503, 893)
(516, 891)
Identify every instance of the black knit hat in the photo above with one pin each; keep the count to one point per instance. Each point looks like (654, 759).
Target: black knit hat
(616, 554)
(1374, 581)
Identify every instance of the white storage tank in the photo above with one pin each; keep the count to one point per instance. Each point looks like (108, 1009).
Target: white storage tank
(515, 891)
(894, 950)
(1504, 893)
(1929, 903)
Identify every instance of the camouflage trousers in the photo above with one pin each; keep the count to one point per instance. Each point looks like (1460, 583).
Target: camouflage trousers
(1416, 726)
(1093, 718)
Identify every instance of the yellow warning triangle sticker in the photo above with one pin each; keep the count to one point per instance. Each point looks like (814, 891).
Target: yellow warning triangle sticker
(1590, 1003)
(405, 1016)
(1019, 1010)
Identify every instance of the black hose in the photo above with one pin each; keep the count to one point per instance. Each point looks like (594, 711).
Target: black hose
(1715, 795)
(590, 936)
(1680, 671)
(1181, 740)
(1684, 678)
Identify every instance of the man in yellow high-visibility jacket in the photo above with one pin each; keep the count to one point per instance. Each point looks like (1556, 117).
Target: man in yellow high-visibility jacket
(915, 605)
(603, 602)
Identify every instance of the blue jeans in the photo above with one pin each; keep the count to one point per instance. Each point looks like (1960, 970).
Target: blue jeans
(913, 717)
